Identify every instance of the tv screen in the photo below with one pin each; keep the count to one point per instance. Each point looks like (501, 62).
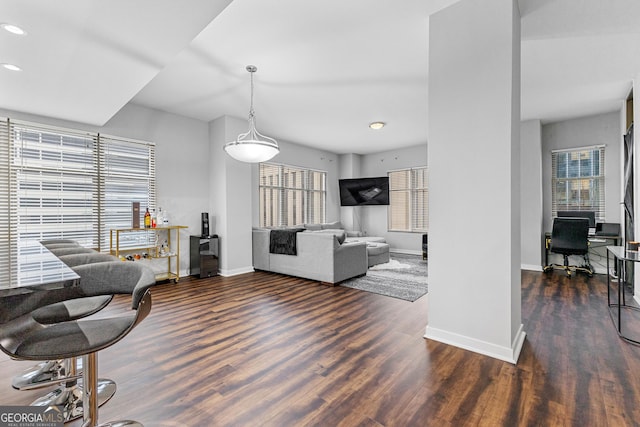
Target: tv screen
(364, 191)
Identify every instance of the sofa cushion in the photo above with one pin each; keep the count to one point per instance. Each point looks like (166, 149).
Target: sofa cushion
(332, 225)
(313, 227)
(340, 234)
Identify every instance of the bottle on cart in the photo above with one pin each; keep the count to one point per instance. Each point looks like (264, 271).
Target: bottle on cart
(147, 219)
(159, 218)
(165, 218)
(154, 219)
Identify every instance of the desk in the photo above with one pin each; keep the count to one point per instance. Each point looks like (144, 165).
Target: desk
(38, 270)
(593, 239)
(618, 309)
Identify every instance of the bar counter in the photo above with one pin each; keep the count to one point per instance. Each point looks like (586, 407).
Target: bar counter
(37, 269)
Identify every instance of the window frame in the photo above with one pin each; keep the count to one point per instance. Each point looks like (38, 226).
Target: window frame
(279, 212)
(417, 193)
(590, 183)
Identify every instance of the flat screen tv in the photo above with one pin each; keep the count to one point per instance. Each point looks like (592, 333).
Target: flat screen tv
(364, 191)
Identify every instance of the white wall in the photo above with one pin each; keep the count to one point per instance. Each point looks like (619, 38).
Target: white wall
(474, 178)
(374, 219)
(230, 199)
(349, 167)
(182, 147)
(531, 231)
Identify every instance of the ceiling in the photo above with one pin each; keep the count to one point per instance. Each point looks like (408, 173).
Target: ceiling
(325, 69)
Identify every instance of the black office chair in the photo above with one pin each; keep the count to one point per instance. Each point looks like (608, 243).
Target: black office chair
(570, 236)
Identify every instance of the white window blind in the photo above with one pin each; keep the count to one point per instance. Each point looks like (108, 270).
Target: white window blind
(578, 181)
(7, 229)
(408, 200)
(127, 175)
(290, 195)
(58, 183)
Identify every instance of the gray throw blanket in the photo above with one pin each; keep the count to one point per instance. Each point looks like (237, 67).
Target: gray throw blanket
(284, 241)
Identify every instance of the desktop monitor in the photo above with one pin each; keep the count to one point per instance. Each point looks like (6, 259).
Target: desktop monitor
(590, 215)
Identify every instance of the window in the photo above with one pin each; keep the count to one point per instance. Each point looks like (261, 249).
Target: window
(60, 183)
(127, 174)
(577, 182)
(291, 196)
(409, 201)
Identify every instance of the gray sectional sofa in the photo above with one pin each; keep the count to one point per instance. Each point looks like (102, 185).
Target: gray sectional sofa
(322, 254)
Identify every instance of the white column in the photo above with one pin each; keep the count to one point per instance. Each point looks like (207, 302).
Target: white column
(474, 177)
(230, 198)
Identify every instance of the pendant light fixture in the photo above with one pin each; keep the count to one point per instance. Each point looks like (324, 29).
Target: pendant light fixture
(252, 146)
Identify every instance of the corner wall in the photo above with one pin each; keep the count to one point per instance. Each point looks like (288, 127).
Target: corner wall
(532, 235)
(374, 219)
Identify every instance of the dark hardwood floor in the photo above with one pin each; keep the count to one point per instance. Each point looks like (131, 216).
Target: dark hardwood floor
(262, 349)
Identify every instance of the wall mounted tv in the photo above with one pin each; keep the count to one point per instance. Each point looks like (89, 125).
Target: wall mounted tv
(364, 191)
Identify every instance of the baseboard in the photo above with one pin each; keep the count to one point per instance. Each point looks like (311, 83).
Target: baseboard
(405, 251)
(236, 271)
(531, 267)
(507, 354)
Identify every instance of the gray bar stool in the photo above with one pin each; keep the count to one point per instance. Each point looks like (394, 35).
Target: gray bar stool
(22, 338)
(65, 372)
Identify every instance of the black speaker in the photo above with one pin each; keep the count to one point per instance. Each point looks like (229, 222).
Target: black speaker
(205, 224)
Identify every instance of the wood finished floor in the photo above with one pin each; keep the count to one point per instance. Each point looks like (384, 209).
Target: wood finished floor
(262, 349)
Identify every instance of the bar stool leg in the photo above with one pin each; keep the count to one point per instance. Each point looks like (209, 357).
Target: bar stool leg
(90, 396)
(69, 393)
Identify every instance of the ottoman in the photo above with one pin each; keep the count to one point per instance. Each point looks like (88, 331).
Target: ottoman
(377, 253)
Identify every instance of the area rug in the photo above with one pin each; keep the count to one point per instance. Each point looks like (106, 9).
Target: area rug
(403, 277)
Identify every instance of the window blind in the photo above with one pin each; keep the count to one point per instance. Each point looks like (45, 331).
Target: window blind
(7, 230)
(408, 200)
(290, 195)
(578, 181)
(62, 183)
(127, 175)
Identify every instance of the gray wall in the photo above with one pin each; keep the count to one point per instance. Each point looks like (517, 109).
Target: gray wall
(374, 219)
(531, 232)
(586, 131)
(582, 132)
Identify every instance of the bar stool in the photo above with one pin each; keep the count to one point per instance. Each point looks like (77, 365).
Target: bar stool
(21, 337)
(65, 372)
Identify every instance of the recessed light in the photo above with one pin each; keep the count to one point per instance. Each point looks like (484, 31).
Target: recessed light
(376, 125)
(11, 67)
(14, 29)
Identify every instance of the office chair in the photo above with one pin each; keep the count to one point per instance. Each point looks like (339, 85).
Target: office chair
(570, 236)
(22, 338)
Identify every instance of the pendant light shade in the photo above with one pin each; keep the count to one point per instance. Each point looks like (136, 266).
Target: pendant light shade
(252, 146)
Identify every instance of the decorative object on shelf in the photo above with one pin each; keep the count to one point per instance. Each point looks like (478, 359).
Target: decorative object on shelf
(135, 214)
(147, 219)
(252, 146)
